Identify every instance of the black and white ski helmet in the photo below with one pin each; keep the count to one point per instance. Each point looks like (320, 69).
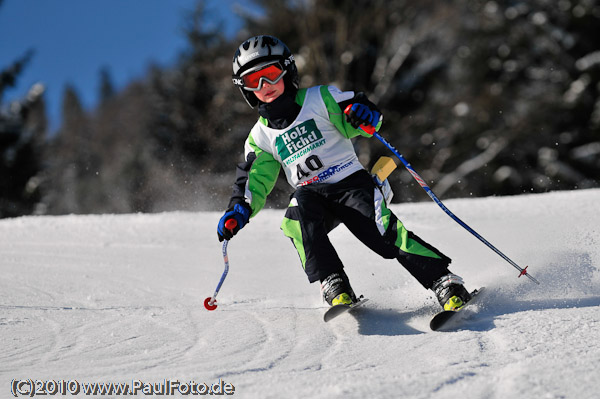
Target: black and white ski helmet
(262, 50)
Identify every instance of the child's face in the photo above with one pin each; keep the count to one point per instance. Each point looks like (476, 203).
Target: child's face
(270, 92)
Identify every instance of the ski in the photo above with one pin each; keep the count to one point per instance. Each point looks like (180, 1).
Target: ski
(337, 310)
(442, 318)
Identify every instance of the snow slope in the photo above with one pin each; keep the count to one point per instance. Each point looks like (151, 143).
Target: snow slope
(119, 299)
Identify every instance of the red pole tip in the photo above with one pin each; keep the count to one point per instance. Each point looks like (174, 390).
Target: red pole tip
(208, 305)
(231, 224)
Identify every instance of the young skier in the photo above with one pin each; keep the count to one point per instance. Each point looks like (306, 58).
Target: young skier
(306, 132)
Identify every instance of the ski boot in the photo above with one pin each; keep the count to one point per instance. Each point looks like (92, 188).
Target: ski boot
(450, 292)
(336, 289)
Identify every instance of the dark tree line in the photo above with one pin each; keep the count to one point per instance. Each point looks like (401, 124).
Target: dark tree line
(482, 97)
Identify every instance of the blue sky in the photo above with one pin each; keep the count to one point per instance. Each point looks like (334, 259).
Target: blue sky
(74, 39)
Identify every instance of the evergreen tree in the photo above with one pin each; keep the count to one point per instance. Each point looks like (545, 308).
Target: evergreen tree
(107, 90)
(69, 157)
(22, 131)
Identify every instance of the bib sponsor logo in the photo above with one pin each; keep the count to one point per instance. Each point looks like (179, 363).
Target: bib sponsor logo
(299, 141)
(326, 174)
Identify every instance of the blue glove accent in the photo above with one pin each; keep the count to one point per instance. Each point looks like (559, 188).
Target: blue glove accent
(361, 114)
(241, 214)
(376, 118)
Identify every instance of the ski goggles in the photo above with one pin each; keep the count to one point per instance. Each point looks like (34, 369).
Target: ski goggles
(253, 79)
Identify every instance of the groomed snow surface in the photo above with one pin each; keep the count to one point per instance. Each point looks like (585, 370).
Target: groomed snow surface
(119, 298)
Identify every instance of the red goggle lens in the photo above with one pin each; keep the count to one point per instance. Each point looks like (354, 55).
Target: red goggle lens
(271, 74)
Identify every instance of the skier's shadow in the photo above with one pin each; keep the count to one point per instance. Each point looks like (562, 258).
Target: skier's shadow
(389, 322)
(483, 319)
(384, 322)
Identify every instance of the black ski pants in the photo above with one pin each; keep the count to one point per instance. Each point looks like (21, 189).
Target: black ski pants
(356, 202)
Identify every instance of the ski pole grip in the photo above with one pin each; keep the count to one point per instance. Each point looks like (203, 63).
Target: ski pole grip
(231, 224)
(366, 128)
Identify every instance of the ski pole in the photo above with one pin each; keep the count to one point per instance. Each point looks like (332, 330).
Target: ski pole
(210, 303)
(415, 175)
